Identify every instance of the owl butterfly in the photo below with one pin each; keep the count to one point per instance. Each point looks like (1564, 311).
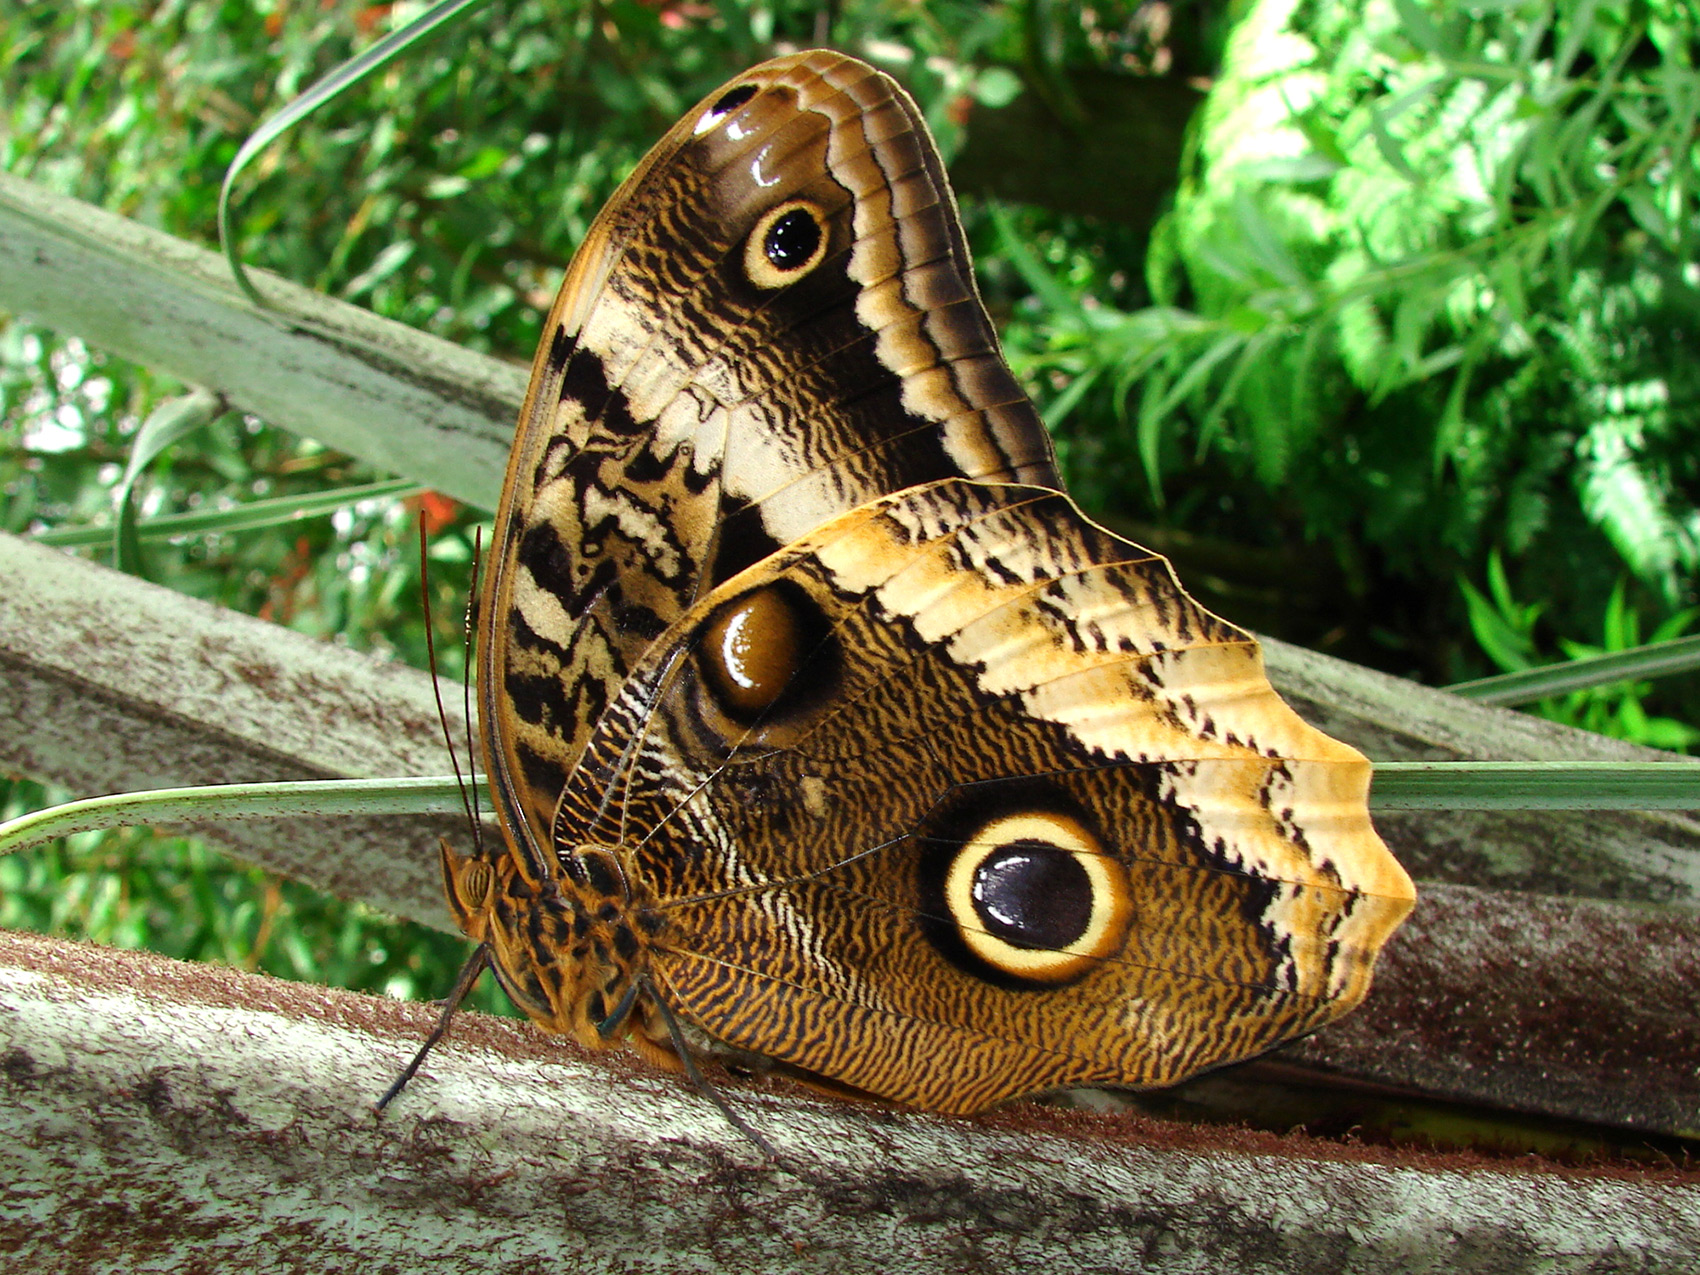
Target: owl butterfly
(819, 720)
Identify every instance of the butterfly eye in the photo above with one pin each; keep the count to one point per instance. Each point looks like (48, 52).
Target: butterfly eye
(473, 884)
(724, 105)
(470, 884)
(786, 244)
(1035, 897)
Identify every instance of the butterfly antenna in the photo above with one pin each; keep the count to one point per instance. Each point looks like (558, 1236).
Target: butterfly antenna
(468, 976)
(436, 688)
(469, 628)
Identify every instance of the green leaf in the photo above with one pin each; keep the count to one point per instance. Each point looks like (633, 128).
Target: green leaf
(428, 795)
(331, 86)
(171, 421)
(1506, 644)
(1656, 659)
(996, 86)
(1553, 785)
(390, 260)
(1035, 273)
(254, 514)
(1415, 25)
(1056, 411)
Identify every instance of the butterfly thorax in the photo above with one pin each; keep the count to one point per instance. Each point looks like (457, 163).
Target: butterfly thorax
(571, 949)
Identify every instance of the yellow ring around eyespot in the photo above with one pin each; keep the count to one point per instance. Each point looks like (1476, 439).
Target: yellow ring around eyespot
(1112, 902)
(762, 272)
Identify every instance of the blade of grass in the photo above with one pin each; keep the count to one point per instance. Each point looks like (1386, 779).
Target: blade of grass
(1524, 785)
(428, 795)
(1656, 659)
(170, 422)
(269, 512)
(1034, 272)
(1461, 785)
(332, 85)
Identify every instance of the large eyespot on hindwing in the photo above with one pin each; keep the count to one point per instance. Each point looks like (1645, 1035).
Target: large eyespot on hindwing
(724, 105)
(765, 658)
(1034, 897)
(787, 243)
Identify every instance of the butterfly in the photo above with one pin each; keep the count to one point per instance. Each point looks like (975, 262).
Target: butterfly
(821, 725)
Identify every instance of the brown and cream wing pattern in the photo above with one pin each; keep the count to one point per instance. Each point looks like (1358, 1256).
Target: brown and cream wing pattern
(818, 720)
(1005, 811)
(773, 321)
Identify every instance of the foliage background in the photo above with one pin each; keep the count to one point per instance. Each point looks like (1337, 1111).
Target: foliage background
(1405, 370)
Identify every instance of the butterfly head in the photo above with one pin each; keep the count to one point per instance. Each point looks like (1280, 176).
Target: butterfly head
(570, 950)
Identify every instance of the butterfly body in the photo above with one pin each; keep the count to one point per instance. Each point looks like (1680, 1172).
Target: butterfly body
(815, 713)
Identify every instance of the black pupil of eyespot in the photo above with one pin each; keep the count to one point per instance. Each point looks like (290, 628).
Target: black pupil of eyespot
(792, 239)
(1033, 895)
(732, 99)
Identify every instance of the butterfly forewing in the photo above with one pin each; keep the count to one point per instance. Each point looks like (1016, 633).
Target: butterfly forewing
(694, 408)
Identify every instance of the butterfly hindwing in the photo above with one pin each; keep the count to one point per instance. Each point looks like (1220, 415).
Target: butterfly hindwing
(1012, 813)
